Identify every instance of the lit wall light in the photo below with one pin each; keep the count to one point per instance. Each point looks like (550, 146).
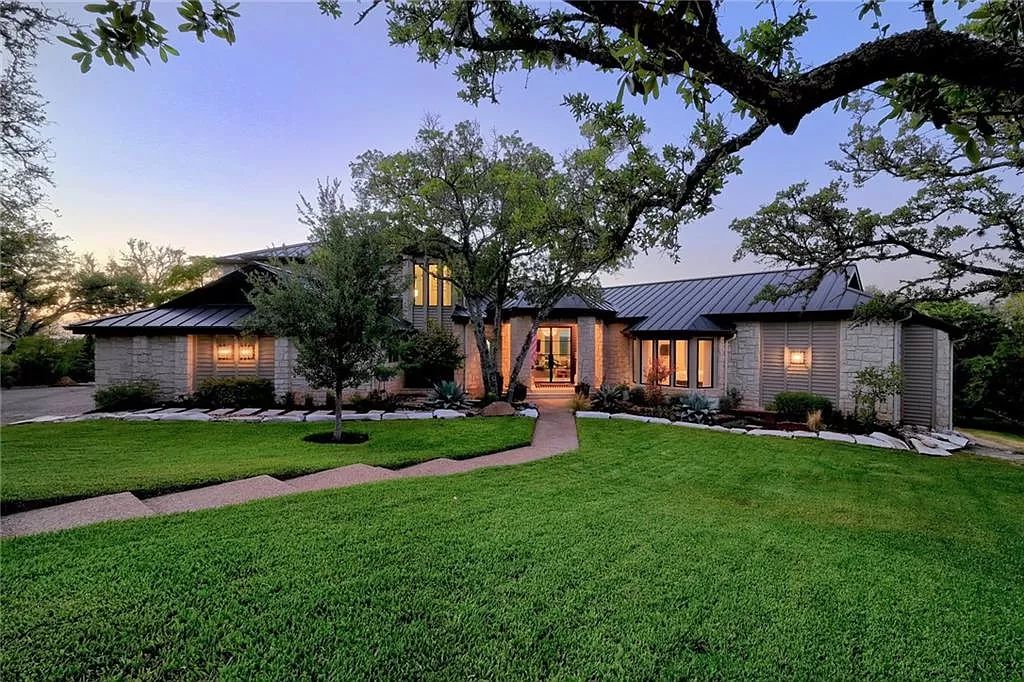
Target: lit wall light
(225, 350)
(247, 351)
(797, 357)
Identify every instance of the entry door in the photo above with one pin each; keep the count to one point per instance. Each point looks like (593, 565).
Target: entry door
(554, 363)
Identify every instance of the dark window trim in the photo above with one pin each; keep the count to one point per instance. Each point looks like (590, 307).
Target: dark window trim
(714, 351)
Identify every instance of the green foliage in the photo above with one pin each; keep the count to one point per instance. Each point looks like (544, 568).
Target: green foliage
(132, 395)
(431, 354)
(732, 399)
(108, 456)
(583, 389)
(448, 395)
(235, 392)
(377, 399)
(42, 360)
(794, 406)
(872, 386)
(609, 398)
(519, 390)
(638, 396)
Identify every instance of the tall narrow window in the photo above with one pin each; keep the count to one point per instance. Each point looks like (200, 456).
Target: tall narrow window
(664, 361)
(647, 360)
(705, 363)
(637, 378)
(682, 370)
(418, 284)
(446, 286)
(432, 288)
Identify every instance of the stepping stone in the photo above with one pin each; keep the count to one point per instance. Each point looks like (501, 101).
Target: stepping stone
(145, 417)
(92, 416)
(271, 413)
(234, 492)
(221, 411)
(320, 416)
(340, 477)
(169, 410)
(47, 419)
(73, 514)
(293, 416)
(418, 415)
(958, 441)
(893, 442)
(296, 413)
(873, 442)
(837, 437)
(770, 432)
(448, 414)
(925, 450)
(583, 414)
(244, 412)
(148, 410)
(189, 416)
(361, 416)
(691, 425)
(935, 443)
(625, 416)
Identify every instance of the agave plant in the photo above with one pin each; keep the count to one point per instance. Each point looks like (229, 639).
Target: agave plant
(447, 395)
(694, 408)
(609, 398)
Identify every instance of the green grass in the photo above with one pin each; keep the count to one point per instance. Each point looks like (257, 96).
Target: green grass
(52, 462)
(1014, 441)
(652, 552)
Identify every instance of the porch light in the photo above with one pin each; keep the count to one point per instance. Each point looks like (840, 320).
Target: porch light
(247, 351)
(797, 357)
(225, 350)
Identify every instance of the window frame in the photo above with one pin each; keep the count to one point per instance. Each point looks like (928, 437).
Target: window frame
(419, 283)
(711, 364)
(686, 363)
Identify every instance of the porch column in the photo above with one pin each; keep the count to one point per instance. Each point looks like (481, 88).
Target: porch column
(588, 366)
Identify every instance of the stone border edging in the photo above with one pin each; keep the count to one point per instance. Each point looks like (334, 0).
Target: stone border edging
(935, 444)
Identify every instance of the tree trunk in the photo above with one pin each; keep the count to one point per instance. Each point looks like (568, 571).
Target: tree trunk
(524, 350)
(489, 369)
(337, 413)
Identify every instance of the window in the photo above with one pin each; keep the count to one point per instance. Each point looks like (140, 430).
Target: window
(432, 289)
(705, 363)
(246, 350)
(446, 286)
(664, 361)
(646, 355)
(418, 275)
(224, 349)
(682, 367)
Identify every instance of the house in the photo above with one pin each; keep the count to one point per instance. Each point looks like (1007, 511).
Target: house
(709, 334)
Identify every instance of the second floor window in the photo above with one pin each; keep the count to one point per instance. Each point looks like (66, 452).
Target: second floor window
(430, 285)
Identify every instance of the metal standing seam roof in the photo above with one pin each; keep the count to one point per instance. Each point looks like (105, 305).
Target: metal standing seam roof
(693, 304)
(210, 316)
(299, 250)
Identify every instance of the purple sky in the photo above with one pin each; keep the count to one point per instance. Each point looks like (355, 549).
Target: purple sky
(209, 151)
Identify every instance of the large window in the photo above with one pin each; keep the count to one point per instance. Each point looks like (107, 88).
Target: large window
(674, 358)
(419, 276)
(432, 288)
(705, 363)
(431, 285)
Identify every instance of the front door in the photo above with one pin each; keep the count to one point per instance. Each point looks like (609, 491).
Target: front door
(554, 363)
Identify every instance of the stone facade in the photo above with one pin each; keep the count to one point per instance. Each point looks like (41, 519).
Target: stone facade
(943, 381)
(287, 380)
(743, 364)
(861, 345)
(165, 360)
(586, 343)
(618, 359)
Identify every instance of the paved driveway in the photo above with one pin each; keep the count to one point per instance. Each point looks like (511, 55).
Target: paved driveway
(25, 403)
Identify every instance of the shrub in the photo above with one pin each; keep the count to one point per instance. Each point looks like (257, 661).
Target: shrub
(874, 386)
(579, 402)
(377, 399)
(518, 392)
(732, 399)
(447, 395)
(694, 408)
(583, 389)
(795, 405)
(235, 392)
(431, 355)
(815, 421)
(133, 395)
(42, 360)
(609, 398)
(638, 395)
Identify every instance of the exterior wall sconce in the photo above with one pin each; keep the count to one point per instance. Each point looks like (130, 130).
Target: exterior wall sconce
(246, 351)
(225, 350)
(797, 357)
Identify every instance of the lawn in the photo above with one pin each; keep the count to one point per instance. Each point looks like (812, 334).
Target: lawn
(51, 462)
(651, 552)
(1013, 441)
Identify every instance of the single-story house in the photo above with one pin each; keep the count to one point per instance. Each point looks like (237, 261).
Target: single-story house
(709, 333)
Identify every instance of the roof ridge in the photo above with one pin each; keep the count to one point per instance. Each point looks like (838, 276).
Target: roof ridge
(698, 279)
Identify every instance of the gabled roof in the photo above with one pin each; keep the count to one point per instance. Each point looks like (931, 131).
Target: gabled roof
(704, 304)
(573, 303)
(285, 251)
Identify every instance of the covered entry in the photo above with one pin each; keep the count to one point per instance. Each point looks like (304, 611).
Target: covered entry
(554, 360)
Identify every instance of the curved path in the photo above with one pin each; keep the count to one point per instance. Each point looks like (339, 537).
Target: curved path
(554, 433)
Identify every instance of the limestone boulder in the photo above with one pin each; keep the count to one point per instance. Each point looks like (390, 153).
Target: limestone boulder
(499, 408)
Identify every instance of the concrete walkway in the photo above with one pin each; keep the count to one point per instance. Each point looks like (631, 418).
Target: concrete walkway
(17, 404)
(554, 433)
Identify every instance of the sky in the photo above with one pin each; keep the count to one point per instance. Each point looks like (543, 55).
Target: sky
(210, 151)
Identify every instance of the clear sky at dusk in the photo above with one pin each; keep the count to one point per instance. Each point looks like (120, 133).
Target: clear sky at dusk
(209, 151)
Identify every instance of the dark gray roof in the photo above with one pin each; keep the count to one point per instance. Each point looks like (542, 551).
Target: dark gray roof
(703, 304)
(210, 317)
(572, 302)
(300, 250)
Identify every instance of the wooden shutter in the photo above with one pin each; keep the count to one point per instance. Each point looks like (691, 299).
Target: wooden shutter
(918, 358)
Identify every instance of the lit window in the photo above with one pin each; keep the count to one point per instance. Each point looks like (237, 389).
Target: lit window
(432, 289)
(417, 284)
(664, 361)
(797, 357)
(647, 357)
(247, 350)
(225, 349)
(705, 363)
(682, 373)
(446, 286)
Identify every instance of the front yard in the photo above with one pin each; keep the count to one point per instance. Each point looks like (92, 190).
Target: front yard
(54, 462)
(652, 552)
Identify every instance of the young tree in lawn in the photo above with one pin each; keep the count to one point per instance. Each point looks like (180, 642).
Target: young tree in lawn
(341, 305)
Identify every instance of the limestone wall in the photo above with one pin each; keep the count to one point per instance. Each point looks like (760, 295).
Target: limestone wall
(163, 359)
(618, 361)
(743, 362)
(869, 344)
(943, 381)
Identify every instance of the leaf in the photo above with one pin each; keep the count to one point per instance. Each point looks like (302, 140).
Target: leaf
(972, 151)
(72, 43)
(86, 62)
(98, 9)
(958, 131)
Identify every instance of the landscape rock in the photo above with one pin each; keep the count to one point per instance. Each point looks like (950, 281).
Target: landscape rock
(873, 442)
(320, 416)
(737, 429)
(630, 417)
(189, 416)
(529, 412)
(584, 414)
(393, 416)
(770, 432)
(955, 439)
(658, 420)
(718, 427)
(893, 442)
(837, 437)
(285, 418)
(498, 408)
(926, 450)
(690, 425)
(804, 434)
(934, 443)
(448, 414)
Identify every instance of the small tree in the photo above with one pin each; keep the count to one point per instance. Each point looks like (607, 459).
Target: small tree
(339, 306)
(875, 385)
(431, 355)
